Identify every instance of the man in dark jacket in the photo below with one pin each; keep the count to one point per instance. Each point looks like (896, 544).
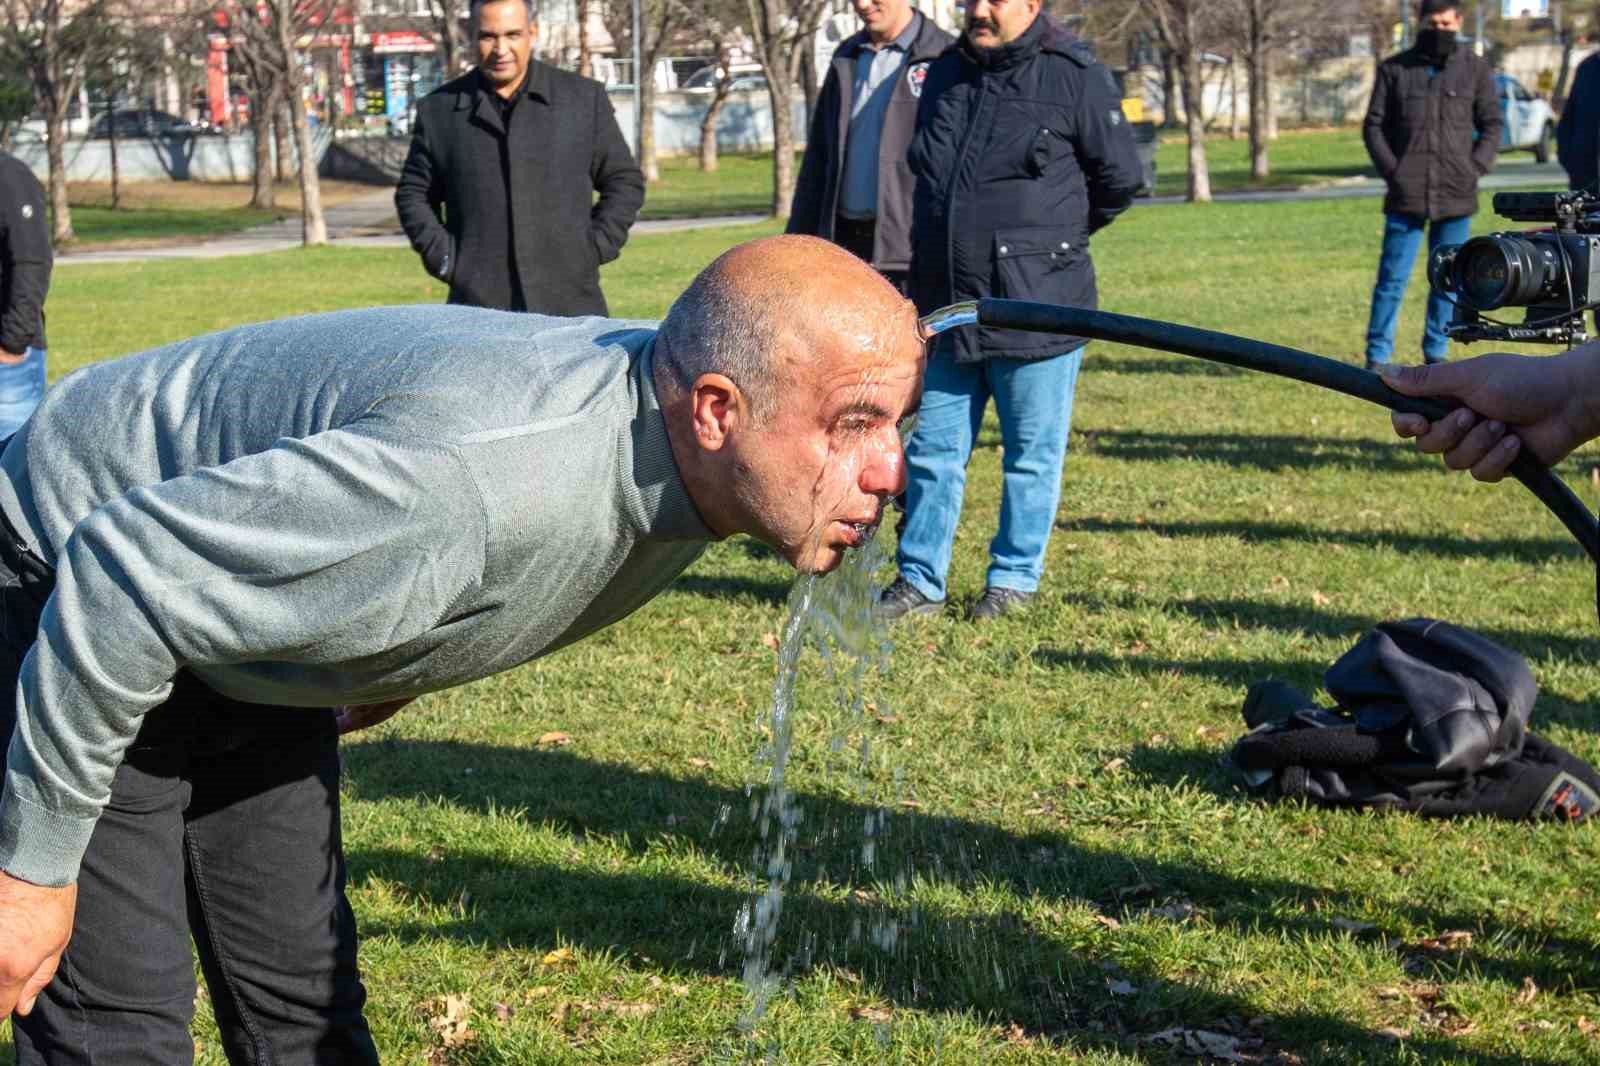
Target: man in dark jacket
(855, 182)
(25, 260)
(1021, 152)
(1432, 128)
(1578, 132)
(513, 151)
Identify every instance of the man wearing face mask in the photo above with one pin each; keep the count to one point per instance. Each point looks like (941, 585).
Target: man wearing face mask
(1432, 129)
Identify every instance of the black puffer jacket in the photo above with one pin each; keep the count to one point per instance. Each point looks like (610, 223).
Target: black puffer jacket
(1021, 153)
(1420, 127)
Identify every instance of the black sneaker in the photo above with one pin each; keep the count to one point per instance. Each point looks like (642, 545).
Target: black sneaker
(998, 601)
(902, 598)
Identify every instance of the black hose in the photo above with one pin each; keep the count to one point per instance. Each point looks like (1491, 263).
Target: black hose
(1285, 362)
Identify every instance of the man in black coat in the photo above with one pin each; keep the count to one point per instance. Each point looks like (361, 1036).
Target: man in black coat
(25, 260)
(1578, 132)
(1432, 129)
(1021, 152)
(513, 151)
(855, 183)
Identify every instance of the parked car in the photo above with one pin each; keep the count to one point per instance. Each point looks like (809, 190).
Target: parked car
(1530, 125)
(142, 122)
(747, 77)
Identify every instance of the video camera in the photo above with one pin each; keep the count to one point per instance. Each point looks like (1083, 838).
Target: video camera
(1555, 273)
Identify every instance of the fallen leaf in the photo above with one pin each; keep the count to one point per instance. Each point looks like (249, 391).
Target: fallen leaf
(554, 739)
(1586, 1027)
(503, 1012)
(699, 763)
(1108, 921)
(1530, 991)
(1015, 1034)
(1395, 1033)
(1453, 940)
(537, 992)
(1353, 927)
(876, 1015)
(1182, 910)
(559, 957)
(770, 640)
(1389, 992)
(679, 990)
(1318, 599)
(1114, 766)
(449, 1019)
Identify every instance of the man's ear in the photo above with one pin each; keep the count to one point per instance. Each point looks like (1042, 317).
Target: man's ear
(717, 409)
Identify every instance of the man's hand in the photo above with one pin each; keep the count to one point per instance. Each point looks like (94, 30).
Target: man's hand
(1546, 404)
(35, 923)
(11, 358)
(351, 719)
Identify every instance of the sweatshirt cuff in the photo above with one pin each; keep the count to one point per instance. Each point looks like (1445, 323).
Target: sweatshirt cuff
(40, 846)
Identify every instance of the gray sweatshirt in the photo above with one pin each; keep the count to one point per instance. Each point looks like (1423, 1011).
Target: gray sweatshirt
(340, 508)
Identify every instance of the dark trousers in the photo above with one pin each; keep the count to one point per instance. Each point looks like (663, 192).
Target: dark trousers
(223, 827)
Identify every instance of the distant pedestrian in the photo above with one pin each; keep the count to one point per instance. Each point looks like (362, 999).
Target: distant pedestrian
(855, 182)
(513, 153)
(1432, 129)
(1578, 132)
(1021, 153)
(25, 260)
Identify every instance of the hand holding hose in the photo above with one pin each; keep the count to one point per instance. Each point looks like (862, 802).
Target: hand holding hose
(1547, 404)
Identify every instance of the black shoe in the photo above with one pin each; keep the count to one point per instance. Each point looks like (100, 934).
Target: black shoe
(901, 598)
(998, 601)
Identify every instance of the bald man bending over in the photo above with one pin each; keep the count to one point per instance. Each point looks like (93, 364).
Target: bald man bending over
(216, 541)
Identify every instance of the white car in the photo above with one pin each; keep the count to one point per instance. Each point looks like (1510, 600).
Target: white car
(1530, 125)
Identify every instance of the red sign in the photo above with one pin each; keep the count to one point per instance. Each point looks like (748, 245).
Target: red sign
(402, 41)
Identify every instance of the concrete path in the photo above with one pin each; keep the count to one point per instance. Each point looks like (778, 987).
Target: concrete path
(369, 221)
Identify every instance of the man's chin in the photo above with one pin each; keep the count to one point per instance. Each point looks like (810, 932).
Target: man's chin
(824, 559)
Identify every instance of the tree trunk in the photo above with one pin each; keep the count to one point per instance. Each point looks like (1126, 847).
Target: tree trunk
(780, 91)
(314, 228)
(1260, 89)
(1269, 83)
(1233, 97)
(1169, 89)
(262, 103)
(585, 55)
(116, 169)
(280, 138)
(1199, 183)
(808, 76)
(645, 94)
(55, 151)
(708, 124)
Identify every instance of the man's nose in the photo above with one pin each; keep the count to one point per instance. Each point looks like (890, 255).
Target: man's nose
(884, 473)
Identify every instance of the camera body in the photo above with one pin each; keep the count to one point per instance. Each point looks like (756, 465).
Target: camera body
(1553, 273)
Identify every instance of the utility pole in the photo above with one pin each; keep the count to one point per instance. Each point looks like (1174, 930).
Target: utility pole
(638, 87)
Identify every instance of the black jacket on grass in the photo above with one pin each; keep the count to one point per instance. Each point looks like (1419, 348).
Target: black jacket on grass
(816, 191)
(1021, 152)
(520, 228)
(1420, 130)
(25, 256)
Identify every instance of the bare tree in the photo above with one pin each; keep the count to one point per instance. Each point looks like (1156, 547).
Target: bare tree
(50, 46)
(585, 49)
(658, 21)
(268, 30)
(449, 34)
(1182, 27)
(261, 85)
(719, 99)
(778, 28)
(1260, 27)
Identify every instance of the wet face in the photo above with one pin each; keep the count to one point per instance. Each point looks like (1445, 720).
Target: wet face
(992, 23)
(813, 477)
(884, 20)
(505, 40)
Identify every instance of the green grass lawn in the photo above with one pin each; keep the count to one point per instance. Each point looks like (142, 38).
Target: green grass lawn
(1297, 157)
(1066, 871)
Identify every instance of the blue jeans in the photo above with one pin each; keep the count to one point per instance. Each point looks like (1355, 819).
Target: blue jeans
(1033, 398)
(1402, 236)
(21, 389)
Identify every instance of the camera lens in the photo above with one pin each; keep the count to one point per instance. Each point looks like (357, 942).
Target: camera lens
(1502, 270)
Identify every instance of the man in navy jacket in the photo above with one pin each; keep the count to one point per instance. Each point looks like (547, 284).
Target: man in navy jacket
(1021, 152)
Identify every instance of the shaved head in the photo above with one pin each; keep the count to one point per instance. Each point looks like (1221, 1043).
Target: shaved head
(763, 310)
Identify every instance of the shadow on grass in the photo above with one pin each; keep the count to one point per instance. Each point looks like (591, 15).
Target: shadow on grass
(1176, 364)
(1272, 452)
(1062, 982)
(769, 591)
(1524, 549)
